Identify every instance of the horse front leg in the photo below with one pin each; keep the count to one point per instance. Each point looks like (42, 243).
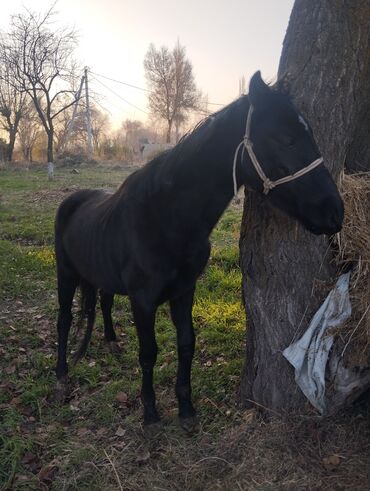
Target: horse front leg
(144, 318)
(181, 313)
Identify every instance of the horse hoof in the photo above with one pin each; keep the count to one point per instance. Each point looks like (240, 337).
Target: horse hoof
(190, 425)
(153, 430)
(114, 348)
(61, 391)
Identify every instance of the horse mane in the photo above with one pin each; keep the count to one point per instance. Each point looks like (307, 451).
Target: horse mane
(158, 173)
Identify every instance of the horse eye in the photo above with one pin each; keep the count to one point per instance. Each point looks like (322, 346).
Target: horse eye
(285, 140)
(288, 141)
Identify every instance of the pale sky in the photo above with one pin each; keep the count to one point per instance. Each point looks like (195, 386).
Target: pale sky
(224, 39)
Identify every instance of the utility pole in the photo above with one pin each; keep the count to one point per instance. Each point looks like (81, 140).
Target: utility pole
(88, 116)
(71, 124)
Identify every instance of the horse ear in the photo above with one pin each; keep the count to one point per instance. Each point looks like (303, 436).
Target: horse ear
(258, 91)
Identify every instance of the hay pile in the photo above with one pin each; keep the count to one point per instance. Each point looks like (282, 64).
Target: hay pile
(353, 252)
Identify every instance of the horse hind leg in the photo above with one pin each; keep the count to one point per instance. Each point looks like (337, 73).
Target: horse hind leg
(106, 304)
(88, 308)
(66, 290)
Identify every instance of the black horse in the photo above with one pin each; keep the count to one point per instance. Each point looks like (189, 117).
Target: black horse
(150, 239)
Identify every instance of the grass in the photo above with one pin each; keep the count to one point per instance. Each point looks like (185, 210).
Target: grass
(96, 441)
(37, 432)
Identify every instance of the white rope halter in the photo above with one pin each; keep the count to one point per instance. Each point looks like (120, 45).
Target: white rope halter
(247, 144)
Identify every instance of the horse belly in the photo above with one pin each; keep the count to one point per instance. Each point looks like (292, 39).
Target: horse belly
(96, 261)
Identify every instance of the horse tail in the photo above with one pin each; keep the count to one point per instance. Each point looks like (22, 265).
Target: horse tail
(81, 351)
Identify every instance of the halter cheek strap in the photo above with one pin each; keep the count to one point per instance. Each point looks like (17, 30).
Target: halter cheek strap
(268, 185)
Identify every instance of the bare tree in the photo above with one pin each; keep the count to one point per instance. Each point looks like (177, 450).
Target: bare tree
(77, 135)
(171, 81)
(100, 124)
(12, 103)
(39, 57)
(29, 131)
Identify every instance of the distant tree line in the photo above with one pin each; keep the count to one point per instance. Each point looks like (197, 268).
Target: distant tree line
(39, 80)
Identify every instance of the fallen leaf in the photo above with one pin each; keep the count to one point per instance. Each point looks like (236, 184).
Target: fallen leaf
(331, 461)
(28, 457)
(120, 431)
(15, 401)
(101, 432)
(47, 473)
(122, 397)
(31, 462)
(119, 445)
(10, 370)
(81, 432)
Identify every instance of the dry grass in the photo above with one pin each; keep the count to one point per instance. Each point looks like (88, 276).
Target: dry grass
(354, 252)
(299, 453)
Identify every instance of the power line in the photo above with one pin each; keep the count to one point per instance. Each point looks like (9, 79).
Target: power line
(120, 97)
(107, 101)
(141, 88)
(120, 82)
(102, 107)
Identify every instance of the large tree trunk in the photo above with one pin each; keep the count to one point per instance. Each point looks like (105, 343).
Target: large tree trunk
(326, 60)
(13, 130)
(10, 146)
(169, 130)
(50, 150)
(50, 154)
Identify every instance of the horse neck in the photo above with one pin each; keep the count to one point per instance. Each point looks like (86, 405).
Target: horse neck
(205, 172)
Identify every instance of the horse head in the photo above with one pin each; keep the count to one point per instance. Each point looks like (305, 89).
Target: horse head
(285, 163)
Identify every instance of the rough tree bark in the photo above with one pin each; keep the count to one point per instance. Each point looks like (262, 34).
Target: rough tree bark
(326, 60)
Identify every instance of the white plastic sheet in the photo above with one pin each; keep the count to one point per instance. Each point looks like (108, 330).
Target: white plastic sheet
(309, 355)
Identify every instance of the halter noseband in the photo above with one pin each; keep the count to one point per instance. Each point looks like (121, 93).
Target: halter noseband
(268, 185)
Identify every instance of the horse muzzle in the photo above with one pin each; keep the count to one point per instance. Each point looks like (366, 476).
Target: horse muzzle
(325, 218)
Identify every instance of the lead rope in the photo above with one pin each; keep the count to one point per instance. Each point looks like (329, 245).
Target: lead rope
(268, 185)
